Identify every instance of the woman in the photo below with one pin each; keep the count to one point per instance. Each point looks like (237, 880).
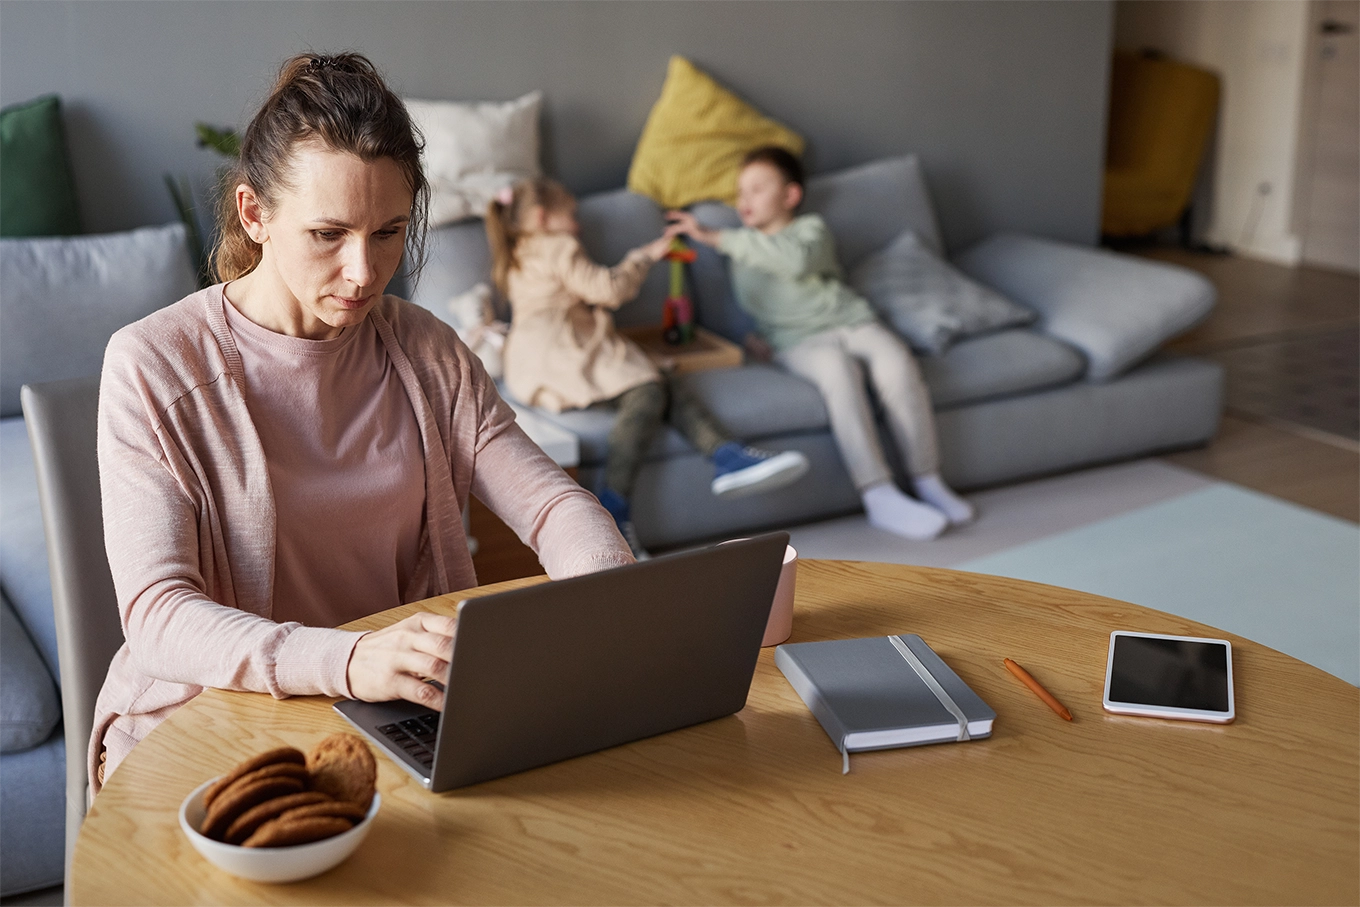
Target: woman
(290, 449)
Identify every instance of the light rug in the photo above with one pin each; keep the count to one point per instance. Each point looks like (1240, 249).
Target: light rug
(1158, 536)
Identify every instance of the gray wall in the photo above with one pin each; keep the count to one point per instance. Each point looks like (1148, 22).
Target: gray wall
(1004, 101)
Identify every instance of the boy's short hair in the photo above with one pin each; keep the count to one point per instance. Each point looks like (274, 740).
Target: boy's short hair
(780, 159)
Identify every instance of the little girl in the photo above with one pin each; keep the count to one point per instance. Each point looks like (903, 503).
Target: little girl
(563, 352)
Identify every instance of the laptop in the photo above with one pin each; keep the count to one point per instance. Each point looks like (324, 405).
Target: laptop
(569, 667)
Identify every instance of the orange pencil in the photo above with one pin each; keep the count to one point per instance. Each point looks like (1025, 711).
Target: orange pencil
(1038, 689)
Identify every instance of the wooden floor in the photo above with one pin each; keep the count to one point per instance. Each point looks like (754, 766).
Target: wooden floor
(1259, 302)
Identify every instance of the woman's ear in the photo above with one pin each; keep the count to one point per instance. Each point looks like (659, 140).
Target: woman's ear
(251, 212)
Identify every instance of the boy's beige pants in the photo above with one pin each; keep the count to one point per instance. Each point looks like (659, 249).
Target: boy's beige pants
(836, 361)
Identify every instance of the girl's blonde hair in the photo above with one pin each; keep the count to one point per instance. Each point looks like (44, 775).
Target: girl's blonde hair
(505, 221)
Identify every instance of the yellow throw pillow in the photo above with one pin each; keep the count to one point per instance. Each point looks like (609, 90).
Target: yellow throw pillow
(695, 137)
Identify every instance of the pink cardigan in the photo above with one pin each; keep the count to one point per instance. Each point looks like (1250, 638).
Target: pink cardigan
(189, 515)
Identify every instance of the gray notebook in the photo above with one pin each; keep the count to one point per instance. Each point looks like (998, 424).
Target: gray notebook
(882, 692)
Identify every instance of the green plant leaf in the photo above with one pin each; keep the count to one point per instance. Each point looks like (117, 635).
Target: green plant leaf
(224, 141)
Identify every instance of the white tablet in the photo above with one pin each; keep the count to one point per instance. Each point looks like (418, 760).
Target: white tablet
(1185, 677)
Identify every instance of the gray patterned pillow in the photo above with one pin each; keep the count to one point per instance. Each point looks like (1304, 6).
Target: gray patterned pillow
(929, 302)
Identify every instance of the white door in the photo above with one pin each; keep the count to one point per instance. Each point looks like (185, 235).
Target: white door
(1330, 222)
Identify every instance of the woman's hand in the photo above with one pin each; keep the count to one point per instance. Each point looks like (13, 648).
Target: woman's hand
(682, 223)
(657, 248)
(395, 662)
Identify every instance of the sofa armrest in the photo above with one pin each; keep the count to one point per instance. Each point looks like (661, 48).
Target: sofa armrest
(1116, 309)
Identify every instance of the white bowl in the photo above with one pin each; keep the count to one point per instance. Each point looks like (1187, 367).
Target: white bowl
(271, 864)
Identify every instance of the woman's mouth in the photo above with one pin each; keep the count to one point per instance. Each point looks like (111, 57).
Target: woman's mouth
(347, 303)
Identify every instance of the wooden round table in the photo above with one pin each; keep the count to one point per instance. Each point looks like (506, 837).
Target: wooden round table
(753, 808)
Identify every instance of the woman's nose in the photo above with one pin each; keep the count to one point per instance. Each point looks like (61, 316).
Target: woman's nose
(358, 267)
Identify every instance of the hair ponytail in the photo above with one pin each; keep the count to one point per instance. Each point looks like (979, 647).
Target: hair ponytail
(342, 102)
(505, 217)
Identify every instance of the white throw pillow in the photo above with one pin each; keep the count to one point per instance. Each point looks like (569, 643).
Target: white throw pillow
(927, 300)
(474, 149)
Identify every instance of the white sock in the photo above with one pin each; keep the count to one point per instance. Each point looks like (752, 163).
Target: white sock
(892, 511)
(937, 494)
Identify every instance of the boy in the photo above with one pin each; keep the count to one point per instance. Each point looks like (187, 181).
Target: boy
(786, 276)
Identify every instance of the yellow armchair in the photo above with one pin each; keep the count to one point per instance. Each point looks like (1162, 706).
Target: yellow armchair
(1161, 116)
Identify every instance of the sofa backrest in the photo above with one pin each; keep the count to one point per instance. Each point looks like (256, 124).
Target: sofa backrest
(65, 296)
(866, 207)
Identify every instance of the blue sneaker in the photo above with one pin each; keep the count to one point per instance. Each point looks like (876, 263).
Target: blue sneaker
(619, 509)
(742, 470)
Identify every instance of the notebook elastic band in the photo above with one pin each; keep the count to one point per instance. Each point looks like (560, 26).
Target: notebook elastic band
(930, 681)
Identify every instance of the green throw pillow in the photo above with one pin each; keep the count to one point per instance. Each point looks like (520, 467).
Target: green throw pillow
(37, 193)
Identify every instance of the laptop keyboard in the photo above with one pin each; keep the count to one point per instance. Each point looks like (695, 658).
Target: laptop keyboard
(415, 736)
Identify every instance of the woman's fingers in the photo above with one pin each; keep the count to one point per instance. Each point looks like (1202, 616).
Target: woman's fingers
(419, 692)
(394, 662)
(440, 624)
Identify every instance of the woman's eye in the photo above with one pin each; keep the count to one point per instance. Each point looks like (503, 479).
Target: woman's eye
(325, 234)
(388, 234)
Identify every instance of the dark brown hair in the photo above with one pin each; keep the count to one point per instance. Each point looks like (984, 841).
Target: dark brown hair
(780, 159)
(505, 221)
(341, 102)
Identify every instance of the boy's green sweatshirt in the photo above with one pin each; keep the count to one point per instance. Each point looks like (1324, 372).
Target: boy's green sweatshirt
(790, 282)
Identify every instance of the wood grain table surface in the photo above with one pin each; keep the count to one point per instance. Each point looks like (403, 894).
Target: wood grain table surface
(753, 808)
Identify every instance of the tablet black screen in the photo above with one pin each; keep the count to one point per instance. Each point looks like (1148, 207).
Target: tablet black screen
(1170, 672)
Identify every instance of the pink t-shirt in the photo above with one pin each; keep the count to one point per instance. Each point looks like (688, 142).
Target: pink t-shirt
(339, 438)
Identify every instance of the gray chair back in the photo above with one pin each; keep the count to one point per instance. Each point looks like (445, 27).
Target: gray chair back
(61, 420)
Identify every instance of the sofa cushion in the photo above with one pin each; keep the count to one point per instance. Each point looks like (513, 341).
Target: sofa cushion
(695, 137)
(1116, 309)
(1003, 364)
(23, 550)
(750, 402)
(29, 705)
(613, 224)
(927, 301)
(64, 298)
(758, 401)
(37, 191)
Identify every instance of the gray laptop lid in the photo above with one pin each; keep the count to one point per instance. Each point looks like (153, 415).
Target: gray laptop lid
(565, 668)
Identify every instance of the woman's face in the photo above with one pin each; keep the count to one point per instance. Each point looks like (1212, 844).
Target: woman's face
(333, 240)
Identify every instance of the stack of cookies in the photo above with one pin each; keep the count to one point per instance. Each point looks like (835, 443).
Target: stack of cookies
(285, 797)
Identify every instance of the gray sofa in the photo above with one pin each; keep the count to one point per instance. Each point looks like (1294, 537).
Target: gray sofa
(1083, 384)
(63, 299)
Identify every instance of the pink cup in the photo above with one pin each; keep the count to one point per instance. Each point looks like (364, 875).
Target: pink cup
(780, 625)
